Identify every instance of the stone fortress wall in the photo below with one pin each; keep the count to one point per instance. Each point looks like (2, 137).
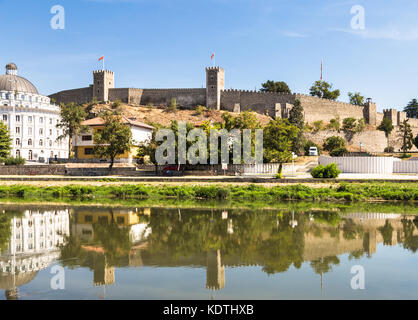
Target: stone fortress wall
(214, 96)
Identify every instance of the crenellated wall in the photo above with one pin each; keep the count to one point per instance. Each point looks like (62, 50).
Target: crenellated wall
(188, 98)
(81, 95)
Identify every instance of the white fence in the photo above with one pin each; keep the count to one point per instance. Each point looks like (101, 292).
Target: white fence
(263, 168)
(405, 167)
(362, 164)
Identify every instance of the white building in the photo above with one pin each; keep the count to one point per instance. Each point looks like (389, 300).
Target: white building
(31, 119)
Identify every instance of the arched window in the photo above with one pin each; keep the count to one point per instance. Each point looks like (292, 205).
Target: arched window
(50, 143)
(17, 141)
(41, 143)
(17, 153)
(30, 157)
(29, 142)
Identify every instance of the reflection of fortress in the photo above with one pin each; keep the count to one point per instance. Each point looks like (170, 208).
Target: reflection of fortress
(34, 245)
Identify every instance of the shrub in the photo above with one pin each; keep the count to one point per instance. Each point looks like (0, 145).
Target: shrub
(11, 161)
(334, 124)
(389, 149)
(318, 125)
(405, 156)
(172, 106)
(309, 144)
(329, 171)
(116, 104)
(333, 143)
(200, 109)
(339, 152)
(149, 106)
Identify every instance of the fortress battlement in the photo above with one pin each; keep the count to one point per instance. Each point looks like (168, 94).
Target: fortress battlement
(102, 71)
(214, 68)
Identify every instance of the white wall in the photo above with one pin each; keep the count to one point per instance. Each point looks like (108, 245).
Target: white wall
(361, 164)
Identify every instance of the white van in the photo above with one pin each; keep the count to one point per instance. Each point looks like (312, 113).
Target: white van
(313, 151)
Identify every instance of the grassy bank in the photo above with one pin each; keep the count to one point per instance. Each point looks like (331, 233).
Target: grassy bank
(335, 193)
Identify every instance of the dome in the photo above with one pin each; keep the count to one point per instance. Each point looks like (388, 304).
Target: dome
(12, 82)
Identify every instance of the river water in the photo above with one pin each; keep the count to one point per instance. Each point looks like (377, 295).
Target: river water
(96, 252)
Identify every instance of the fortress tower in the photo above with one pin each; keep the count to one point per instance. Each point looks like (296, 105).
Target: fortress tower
(103, 80)
(215, 83)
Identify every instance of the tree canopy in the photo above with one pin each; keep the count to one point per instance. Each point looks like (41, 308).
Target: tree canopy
(114, 139)
(72, 115)
(5, 141)
(406, 136)
(412, 109)
(297, 118)
(278, 137)
(275, 86)
(356, 98)
(323, 89)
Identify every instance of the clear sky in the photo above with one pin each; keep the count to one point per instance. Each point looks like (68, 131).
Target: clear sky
(167, 44)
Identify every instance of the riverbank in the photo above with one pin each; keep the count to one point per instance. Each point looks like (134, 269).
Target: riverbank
(331, 192)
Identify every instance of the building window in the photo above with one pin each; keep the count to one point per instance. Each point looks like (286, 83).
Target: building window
(41, 143)
(29, 142)
(30, 156)
(29, 131)
(50, 143)
(17, 153)
(18, 130)
(41, 131)
(120, 220)
(50, 132)
(88, 151)
(17, 141)
(4, 117)
(17, 118)
(86, 138)
(41, 120)
(30, 119)
(50, 120)
(88, 218)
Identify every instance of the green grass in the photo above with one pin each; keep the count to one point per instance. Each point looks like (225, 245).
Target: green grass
(343, 192)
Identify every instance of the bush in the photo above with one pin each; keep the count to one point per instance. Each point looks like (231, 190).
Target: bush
(339, 152)
(11, 161)
(172, 106)
(334, 124)
(329, 171)
(405, 156)
(389, 149)
(200, 110)
(309, 144)
(333, 143)
(318, 125)
(116, 104)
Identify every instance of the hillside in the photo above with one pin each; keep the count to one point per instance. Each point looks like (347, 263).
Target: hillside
(161, 116)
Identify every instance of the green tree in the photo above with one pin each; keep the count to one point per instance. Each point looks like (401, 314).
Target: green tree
(356, 98)
(72, 115)
(386, 231)
(406, 137)
(275, 86)
(416, 141)
(323, 89)
(412, 109)
(296, 117)
(114, 139)
(5, 141)
(333, 143)
(387, 127)
(278, 137)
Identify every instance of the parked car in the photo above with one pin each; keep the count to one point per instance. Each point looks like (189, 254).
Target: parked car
(313, 151)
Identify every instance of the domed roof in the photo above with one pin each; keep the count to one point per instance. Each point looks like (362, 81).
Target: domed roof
(12, 82)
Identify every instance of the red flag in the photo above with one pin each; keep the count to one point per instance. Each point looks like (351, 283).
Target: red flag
(101, 58)
(212, 56)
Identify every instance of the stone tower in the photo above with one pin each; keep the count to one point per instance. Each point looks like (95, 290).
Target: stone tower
(103, 80)
(215, 83)
(370, 111)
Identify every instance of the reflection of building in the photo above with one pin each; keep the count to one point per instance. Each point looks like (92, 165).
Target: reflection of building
(34, 245)
(215, 271)
(103, 273)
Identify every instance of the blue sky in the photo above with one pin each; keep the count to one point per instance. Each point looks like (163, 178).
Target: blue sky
(167, 43)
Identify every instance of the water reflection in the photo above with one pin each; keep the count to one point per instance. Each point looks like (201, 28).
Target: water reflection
(105, 239)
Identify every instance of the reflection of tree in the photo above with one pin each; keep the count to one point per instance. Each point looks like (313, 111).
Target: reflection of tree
(410, 241)
(386, 231)
(324, 265)
(5, 232)
(356, 254)
(351, 230)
